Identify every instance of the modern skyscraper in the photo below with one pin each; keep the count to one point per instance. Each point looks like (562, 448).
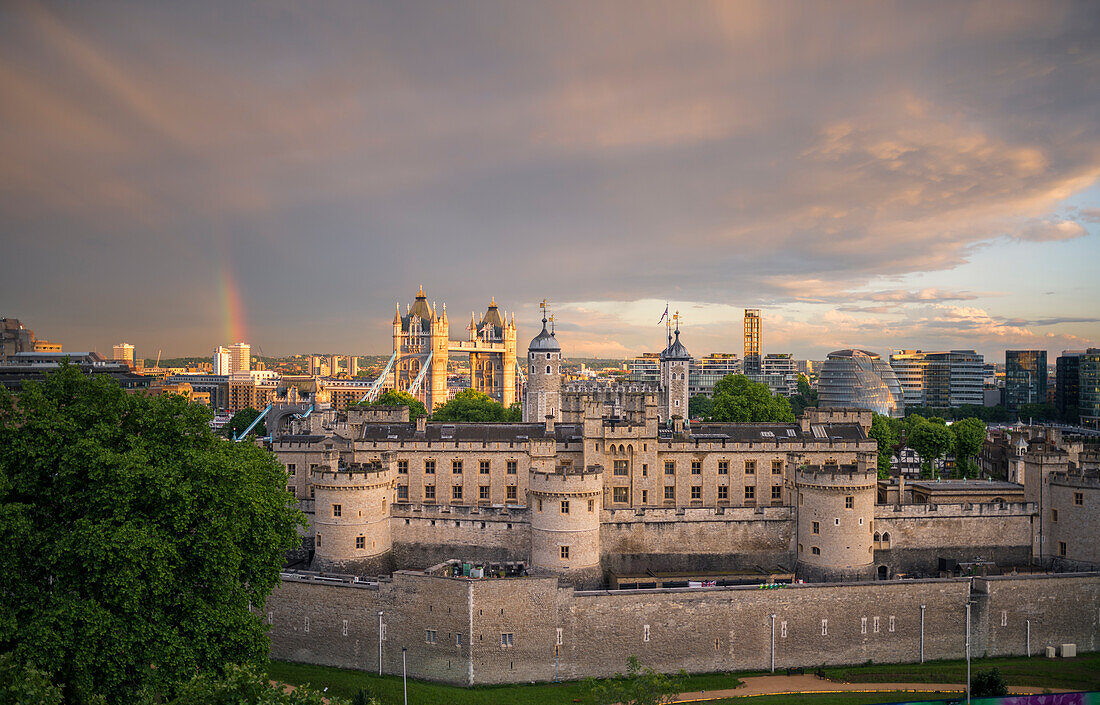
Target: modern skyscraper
(124, 352)
(752, 341)
(780, 373)
(860, 379)
(240, 357)
(1088, 386)
(1025, 377)
(1067, 383)
(221, 360)
(940, 379)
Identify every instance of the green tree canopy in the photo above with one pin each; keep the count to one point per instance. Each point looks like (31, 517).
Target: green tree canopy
(246, 684)
(136, 539)
(969, 437)
(700, 406)
(393, 397)
(931, 440)
(240, 422)
(737, 398)
(470, 406)
(885, 431)
(638, 686)
(988, 684)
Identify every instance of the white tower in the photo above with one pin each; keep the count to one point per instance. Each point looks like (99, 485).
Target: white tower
(675, 367)
(543, 377)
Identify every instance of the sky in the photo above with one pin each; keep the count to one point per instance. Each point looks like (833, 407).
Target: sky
(876, 175)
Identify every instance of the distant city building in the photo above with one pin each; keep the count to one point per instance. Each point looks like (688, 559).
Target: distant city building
(14, 338)
(1067, 382)
(33, 366)
(123, 352)
(940, 379)
(779, 372)
(709, 369)
(860, 379)
(752, 341)
(1088, 384)
(645, 368)
(240, 357)
(221, 364)
(1025, 377)
(46, 346)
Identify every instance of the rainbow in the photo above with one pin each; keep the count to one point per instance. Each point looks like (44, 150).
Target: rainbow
(233, 315)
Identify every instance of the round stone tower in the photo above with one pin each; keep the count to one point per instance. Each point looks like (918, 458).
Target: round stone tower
(835, 518)
(543, 377)
(351, 519)
(565, 507)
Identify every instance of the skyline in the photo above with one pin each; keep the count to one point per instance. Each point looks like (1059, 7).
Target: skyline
(876, 176)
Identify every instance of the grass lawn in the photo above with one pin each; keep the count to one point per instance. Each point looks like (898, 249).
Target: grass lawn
(1081, 673)
(832, 699)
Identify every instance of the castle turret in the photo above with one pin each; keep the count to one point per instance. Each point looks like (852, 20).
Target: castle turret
(351, 520)
(543, 377)
(835, 522)
(675, 367)
(565, 505)
(508, 364)
(441, 337)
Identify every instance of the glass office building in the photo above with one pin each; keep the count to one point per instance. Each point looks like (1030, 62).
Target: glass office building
(1025, 377)
(860, 379)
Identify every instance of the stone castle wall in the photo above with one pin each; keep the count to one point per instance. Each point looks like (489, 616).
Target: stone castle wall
(453, 627)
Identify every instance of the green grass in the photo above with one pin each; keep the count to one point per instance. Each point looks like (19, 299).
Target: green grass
(1081, 673)
(832, 699)
(346, 683)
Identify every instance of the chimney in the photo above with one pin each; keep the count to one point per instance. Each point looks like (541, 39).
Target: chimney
(330, 458)
(549, 424)
(421, 425)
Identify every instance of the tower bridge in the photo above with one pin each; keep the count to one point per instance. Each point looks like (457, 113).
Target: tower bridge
(422, 349)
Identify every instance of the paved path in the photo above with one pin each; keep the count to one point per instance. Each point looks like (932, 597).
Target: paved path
(779, 685)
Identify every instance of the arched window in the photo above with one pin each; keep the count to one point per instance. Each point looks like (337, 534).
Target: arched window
(878, 537)
(886, 539)
(548, 369)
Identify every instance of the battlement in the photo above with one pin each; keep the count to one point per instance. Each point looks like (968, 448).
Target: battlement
(945, 511)
(846, 476)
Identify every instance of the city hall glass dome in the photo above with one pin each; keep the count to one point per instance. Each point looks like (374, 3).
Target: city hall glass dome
(862, 380)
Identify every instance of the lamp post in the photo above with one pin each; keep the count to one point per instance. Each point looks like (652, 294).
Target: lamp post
(404, 675)
(922, 633)
(968, 603)
(773, 642)
(1029, 638)
(379, 642)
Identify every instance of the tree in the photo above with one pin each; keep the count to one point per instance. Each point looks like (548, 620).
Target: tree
(136, 539)
(988, 684)
(884, 430)
(393, 397)
(700, 406)
(470, 405)
(240, 422)
(738, 399)
(638, 686)
(969, 437)
(930, 440)
(245, 684)
(25, 685)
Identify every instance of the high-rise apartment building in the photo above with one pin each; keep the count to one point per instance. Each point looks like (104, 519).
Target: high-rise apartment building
(1088, 388)
(940, 379)
(753, 363)
(123, 352)
(221, 360)
(1067, 383)
(780, 372)
(1025, 377)
(709, 369)
(240, 357)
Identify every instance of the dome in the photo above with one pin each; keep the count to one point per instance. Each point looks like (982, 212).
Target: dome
(544, 341)
(676, 351)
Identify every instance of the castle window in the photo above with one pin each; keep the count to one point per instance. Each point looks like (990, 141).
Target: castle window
(645, 632)
(645, 470)
(777, 467)
(510, 492)
(723, 492)
(1062, 549)
(824, 624)
(456, 467)
(540, 505)
(507, 640)
(862, 625)
(548, 369)
(456, 492)
(621, 467)
(670, 467)
(565, 506)
(483, 492)
(483, 467)
(532, 369)
(815, 550)
(620, 494)
(696, 492)
(402, 467)
(290, 469)
(849, 502)
(403, 492)
(677, 402)
(815, 528)
(1053, 514)
(311, 491)
(696, 467)
(458, 640)
(886, 540)
(783, 629)
(750, 491)
(547, 356)
(670, 492)
(565, 553)
(429, 491)
(430, 636)
(723, 467)
(318, 540)
(429, 466)
(891, 627)
(360, 542)
(305, 626)
(777, 492)
(591, 505)
(512, 465)
(800, 549)
(875, 625)
(1079, 498)
(1004, 618)
(337, 510)
(559, 642)
(750, 467)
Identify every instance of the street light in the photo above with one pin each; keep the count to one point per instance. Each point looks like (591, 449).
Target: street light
(404, 675)
(968, 603)
(379, 642)
(773, 642)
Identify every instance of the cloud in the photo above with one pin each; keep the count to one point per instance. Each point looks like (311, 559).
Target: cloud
(1050, 231)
